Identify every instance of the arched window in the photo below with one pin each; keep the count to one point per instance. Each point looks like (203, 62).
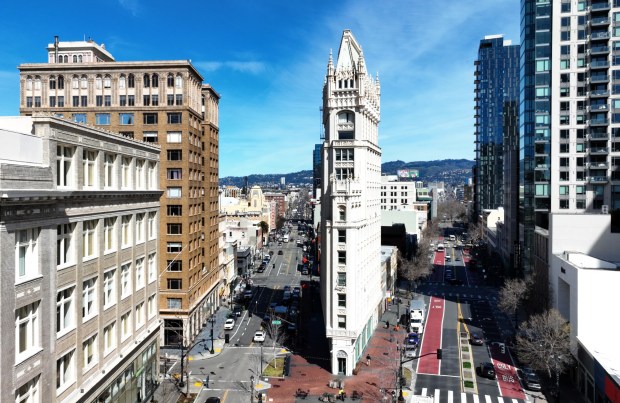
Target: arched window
(98, 82)
(107, 81)
(83, 82)
(75, 82)
(179, 81)
(52, 83)
(37, 83)
(131, 81)
(66, 58)
(155, 81)
(170, 80)
(147, 81)
(59, 59)
(346, 117)
(122, 82)
(351, 83)
(80, 58)
(29, 83)
(74, 58)
(61, 83)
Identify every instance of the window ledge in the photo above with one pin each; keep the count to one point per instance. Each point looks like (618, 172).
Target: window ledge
(26, 279)
(21, 357)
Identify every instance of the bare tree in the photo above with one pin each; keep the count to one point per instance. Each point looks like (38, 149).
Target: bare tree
(476, 232)
(418, 267)
(276, 333)
(544, 344)
(512, 293)
(450, 209)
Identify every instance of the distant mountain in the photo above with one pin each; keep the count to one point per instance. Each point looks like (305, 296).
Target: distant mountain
(453, 172)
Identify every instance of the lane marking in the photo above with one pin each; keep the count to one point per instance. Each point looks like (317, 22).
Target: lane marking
(436, 397)
(476, 400)
(424, 390)
(463, 397)
(500, 400)
(450, 397)
(487, 399)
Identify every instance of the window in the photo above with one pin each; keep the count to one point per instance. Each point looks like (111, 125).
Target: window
(139, 314)
(580, 204)
(170, 99)
(28, 102)
(155, 81)
(89, 350)
(125, 280)
(342, 236)
(27, 330)
(126, 329)
(174, 192)
(26, 253)
(174, 210)
(342, 257)
(152, 225)
(109, 234)
(109, 288)
(89, 240)
(149, 137)
(174, 173)
(126, 231)
(174, 137)
(89, 298)
(65, 370)
(151, 175)
(175, 284)
(122, 100)
(178, 81)
(146, 100)
(580, 189)
(64, 310)
(564, 64)
(155, 100)
(64, 171)
(149, 118)
(344, 173)
(342, 213)
(29, 392)
(564, 176)
(152, 268)
(64, 244)
(174, 265)
(37, 102)
(131, 81)
(79, 117)
(563, 148)
(342, 322)
(175, 229)
(126, 172)
(174, 303)
(131, 100)
(170, 80)
(108, 167)
(89, 160)
(151, 307)
(179, 100)
(342, 300)
(174, 247)
(61, 101)
(174, 118)
(174, 155)
(344, 154)
(563, 190)
(140, 280)
(109, 338)
(99, 100)
(564, 161)
(563, 203)
(140, 228)
(126, 118)
(342, 279)
(102, 118)
(147, 81)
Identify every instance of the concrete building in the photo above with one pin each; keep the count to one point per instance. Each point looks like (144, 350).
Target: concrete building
(350, 228)
(159, 102)
(79, 228)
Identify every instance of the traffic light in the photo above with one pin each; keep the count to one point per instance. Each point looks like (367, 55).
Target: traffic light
(439, 354)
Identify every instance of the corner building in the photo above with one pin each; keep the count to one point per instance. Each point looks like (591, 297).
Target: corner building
(162, 102)
(350, 234)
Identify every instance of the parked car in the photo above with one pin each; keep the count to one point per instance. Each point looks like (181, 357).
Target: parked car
(476, 339)
(247, 294)
(296, 290)
(259, 336)
(287, 288)
(229, 324)
(529, 379)
(486, 370)
(237, 310)
(280, 252)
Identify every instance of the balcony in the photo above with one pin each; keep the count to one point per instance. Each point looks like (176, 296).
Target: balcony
(541, 166)
(598, 50)
(598, 150)
(598, 93)
(598, 21)
(599, 35)
(600, 6)
(598, 179)
(599, 78)
(541, 138)
(598, 136)
(597, 165)
(598, 122)
(599, 64)
(598, 108)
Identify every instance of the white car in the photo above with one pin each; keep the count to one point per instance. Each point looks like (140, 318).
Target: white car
(229, 324)
(259, 336)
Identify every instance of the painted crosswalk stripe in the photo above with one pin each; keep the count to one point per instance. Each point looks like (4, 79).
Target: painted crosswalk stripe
(487, 398)
(436, 398)
(516, 401)
(463, 397)
(450, 397)
(500, 400)
(476, 400)
(424, 391)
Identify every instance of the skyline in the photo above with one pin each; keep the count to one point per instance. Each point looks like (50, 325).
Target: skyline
(270, 72)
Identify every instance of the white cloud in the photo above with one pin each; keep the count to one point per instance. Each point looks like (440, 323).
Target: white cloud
(251, 67)
(133, 6)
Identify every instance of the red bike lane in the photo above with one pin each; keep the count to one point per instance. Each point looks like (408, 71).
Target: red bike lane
(431, 340)
(507, 378)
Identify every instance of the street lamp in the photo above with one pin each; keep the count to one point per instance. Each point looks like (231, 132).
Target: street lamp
(252, 386)
(211, 320)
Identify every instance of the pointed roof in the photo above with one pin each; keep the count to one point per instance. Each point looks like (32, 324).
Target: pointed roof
(350, 53)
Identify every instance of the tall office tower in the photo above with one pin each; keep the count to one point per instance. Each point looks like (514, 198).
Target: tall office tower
(78, 213)
(161, 102)
(535, 136)
(317, 154)
(496, 94)
(350, 209)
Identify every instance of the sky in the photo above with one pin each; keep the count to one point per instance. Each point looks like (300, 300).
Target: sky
(268, 58)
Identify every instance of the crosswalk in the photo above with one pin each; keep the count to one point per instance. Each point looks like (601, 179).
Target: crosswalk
(449, 396)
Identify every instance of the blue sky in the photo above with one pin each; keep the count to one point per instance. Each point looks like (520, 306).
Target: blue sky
(267, 59)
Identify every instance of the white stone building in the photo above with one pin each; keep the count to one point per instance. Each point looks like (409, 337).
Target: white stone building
(350, 206)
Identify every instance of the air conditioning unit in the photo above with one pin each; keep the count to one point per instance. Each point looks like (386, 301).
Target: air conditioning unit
(605, 209)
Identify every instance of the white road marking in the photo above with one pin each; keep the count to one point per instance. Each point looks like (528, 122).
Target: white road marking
(463, 397)
(450, 397)
(476, 400)
(436, 397)
(424, 391)
(487, 399)
(500, 400)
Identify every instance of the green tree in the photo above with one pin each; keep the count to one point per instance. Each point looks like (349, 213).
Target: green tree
(264, 227)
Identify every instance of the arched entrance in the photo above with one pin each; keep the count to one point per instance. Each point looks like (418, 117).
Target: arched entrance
(341, 361)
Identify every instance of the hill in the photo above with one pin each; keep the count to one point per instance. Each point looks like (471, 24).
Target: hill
(453, 172)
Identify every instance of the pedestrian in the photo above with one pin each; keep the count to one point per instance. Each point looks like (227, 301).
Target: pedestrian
(367, 360)
(341, 394)
(387, 324)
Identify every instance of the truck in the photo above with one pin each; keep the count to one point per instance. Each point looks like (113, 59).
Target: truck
(417, 314)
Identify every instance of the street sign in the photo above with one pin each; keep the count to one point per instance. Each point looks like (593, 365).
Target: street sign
(276, 322)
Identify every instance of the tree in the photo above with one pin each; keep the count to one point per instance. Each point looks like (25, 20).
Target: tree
(418, 267)
(512, 293)
(276, 333)
(476, 232)
(544, 344)
(264, 228)
(450, 209)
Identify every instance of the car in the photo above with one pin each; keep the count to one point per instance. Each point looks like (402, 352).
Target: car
(229, 324)
(486, 370)
(530, 381)
(237, 310)
(247, 294)
(261, 269)
(412, 339)
(457, 258)
(476, 339)
(291, 327)
(287, 288)
(280, 252)
(296, 290)
(267, 318)
(448, 257)
(259, 336)
(304, 271)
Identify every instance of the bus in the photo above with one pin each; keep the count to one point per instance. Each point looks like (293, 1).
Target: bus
(440, 248)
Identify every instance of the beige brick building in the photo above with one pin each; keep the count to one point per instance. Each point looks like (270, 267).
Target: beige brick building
(162, 102)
